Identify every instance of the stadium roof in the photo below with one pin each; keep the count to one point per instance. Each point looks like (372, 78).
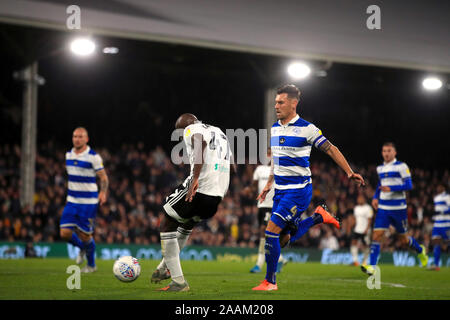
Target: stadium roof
(413, 35)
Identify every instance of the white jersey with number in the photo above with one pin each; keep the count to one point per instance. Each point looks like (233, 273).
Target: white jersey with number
(262, 174)
(214, 177)
(362, 215)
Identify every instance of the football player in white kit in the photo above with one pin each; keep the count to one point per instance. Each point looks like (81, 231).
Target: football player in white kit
(361, 232)
(260, 177)
(196, 199)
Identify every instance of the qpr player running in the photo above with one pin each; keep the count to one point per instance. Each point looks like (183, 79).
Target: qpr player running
(196, 199)
(291, 141)
(83, 165)
(441, 227)
(390, 202)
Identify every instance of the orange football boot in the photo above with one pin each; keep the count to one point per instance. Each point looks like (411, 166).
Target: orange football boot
(326, 216)
(266, 286)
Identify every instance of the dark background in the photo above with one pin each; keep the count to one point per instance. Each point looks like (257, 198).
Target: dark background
(137, 95)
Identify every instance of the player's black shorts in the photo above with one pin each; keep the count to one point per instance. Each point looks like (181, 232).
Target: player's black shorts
(264, 216)
(359, 236)
(202, 206)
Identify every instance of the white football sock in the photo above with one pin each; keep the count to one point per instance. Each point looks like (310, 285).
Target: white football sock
(171, 253)
(182, 237)
(354, 252)
(261, 253)
(366, 254)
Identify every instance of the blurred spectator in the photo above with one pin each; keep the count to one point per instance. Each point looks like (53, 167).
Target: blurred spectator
(329, 241)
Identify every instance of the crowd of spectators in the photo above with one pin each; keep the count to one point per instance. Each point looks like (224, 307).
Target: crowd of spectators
(140, 179)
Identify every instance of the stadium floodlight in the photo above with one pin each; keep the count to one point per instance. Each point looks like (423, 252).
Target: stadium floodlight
(299, 70)
(432, 83)
(110, 50)
(82, 46)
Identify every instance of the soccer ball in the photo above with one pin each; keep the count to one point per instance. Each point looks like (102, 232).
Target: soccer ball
(127, 268)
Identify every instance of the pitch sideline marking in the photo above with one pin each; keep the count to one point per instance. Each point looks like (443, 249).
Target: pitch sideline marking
(395, 285)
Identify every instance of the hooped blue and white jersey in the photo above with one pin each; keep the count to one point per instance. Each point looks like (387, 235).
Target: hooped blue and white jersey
(393, 174)
(82, 170)
(442, 210)
(291, 147)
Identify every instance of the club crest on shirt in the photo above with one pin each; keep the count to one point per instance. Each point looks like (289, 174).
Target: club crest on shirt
(75, 162)
(282, 140)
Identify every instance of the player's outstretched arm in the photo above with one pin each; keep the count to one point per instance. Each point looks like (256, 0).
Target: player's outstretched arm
(104, 183)
(339, 158)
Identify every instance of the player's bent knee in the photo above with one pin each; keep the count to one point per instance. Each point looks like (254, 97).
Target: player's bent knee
(168, 224)
(272, 227)
(85, 237)
(377, 235)
(65, 233)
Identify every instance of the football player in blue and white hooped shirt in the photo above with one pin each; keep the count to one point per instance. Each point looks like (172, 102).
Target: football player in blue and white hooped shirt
(292, 139)
(83, 166)
(441, 228)
(390, 202)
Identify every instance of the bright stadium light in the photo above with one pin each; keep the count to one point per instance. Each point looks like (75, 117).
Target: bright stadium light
(432, 83)
(82, 46)
(298, 70)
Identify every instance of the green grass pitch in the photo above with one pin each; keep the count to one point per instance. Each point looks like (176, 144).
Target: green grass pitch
(37, 279)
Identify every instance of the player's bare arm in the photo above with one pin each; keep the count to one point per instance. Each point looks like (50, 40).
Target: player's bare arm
(104, 183)
(262, 196)
(199, 145)
(339, 158)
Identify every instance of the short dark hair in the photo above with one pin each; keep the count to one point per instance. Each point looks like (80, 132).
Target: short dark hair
(389, 144)
(292, 91)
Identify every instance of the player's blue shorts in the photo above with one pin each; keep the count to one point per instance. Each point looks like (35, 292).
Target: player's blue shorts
(396, 218)
(81, 216)
(288, 206)
(443, 233)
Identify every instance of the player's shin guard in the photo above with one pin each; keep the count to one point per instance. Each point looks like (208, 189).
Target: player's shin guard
(414, 244)
(90, 252)
(273, 250)
(171, 253)
(76, 241)
(182, 237)
(374, 253)
(437, 255)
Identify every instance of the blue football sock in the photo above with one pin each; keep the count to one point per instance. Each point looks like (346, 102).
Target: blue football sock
(304, 226)
(414, 244)
(437, 255)
(374, 253)
(273, 249)
(90, 252)
(317, 218)
(75, 240)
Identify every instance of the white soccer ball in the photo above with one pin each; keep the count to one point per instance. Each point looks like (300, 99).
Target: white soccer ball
(127, 268)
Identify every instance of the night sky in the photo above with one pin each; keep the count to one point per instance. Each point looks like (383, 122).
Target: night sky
(137, 95)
